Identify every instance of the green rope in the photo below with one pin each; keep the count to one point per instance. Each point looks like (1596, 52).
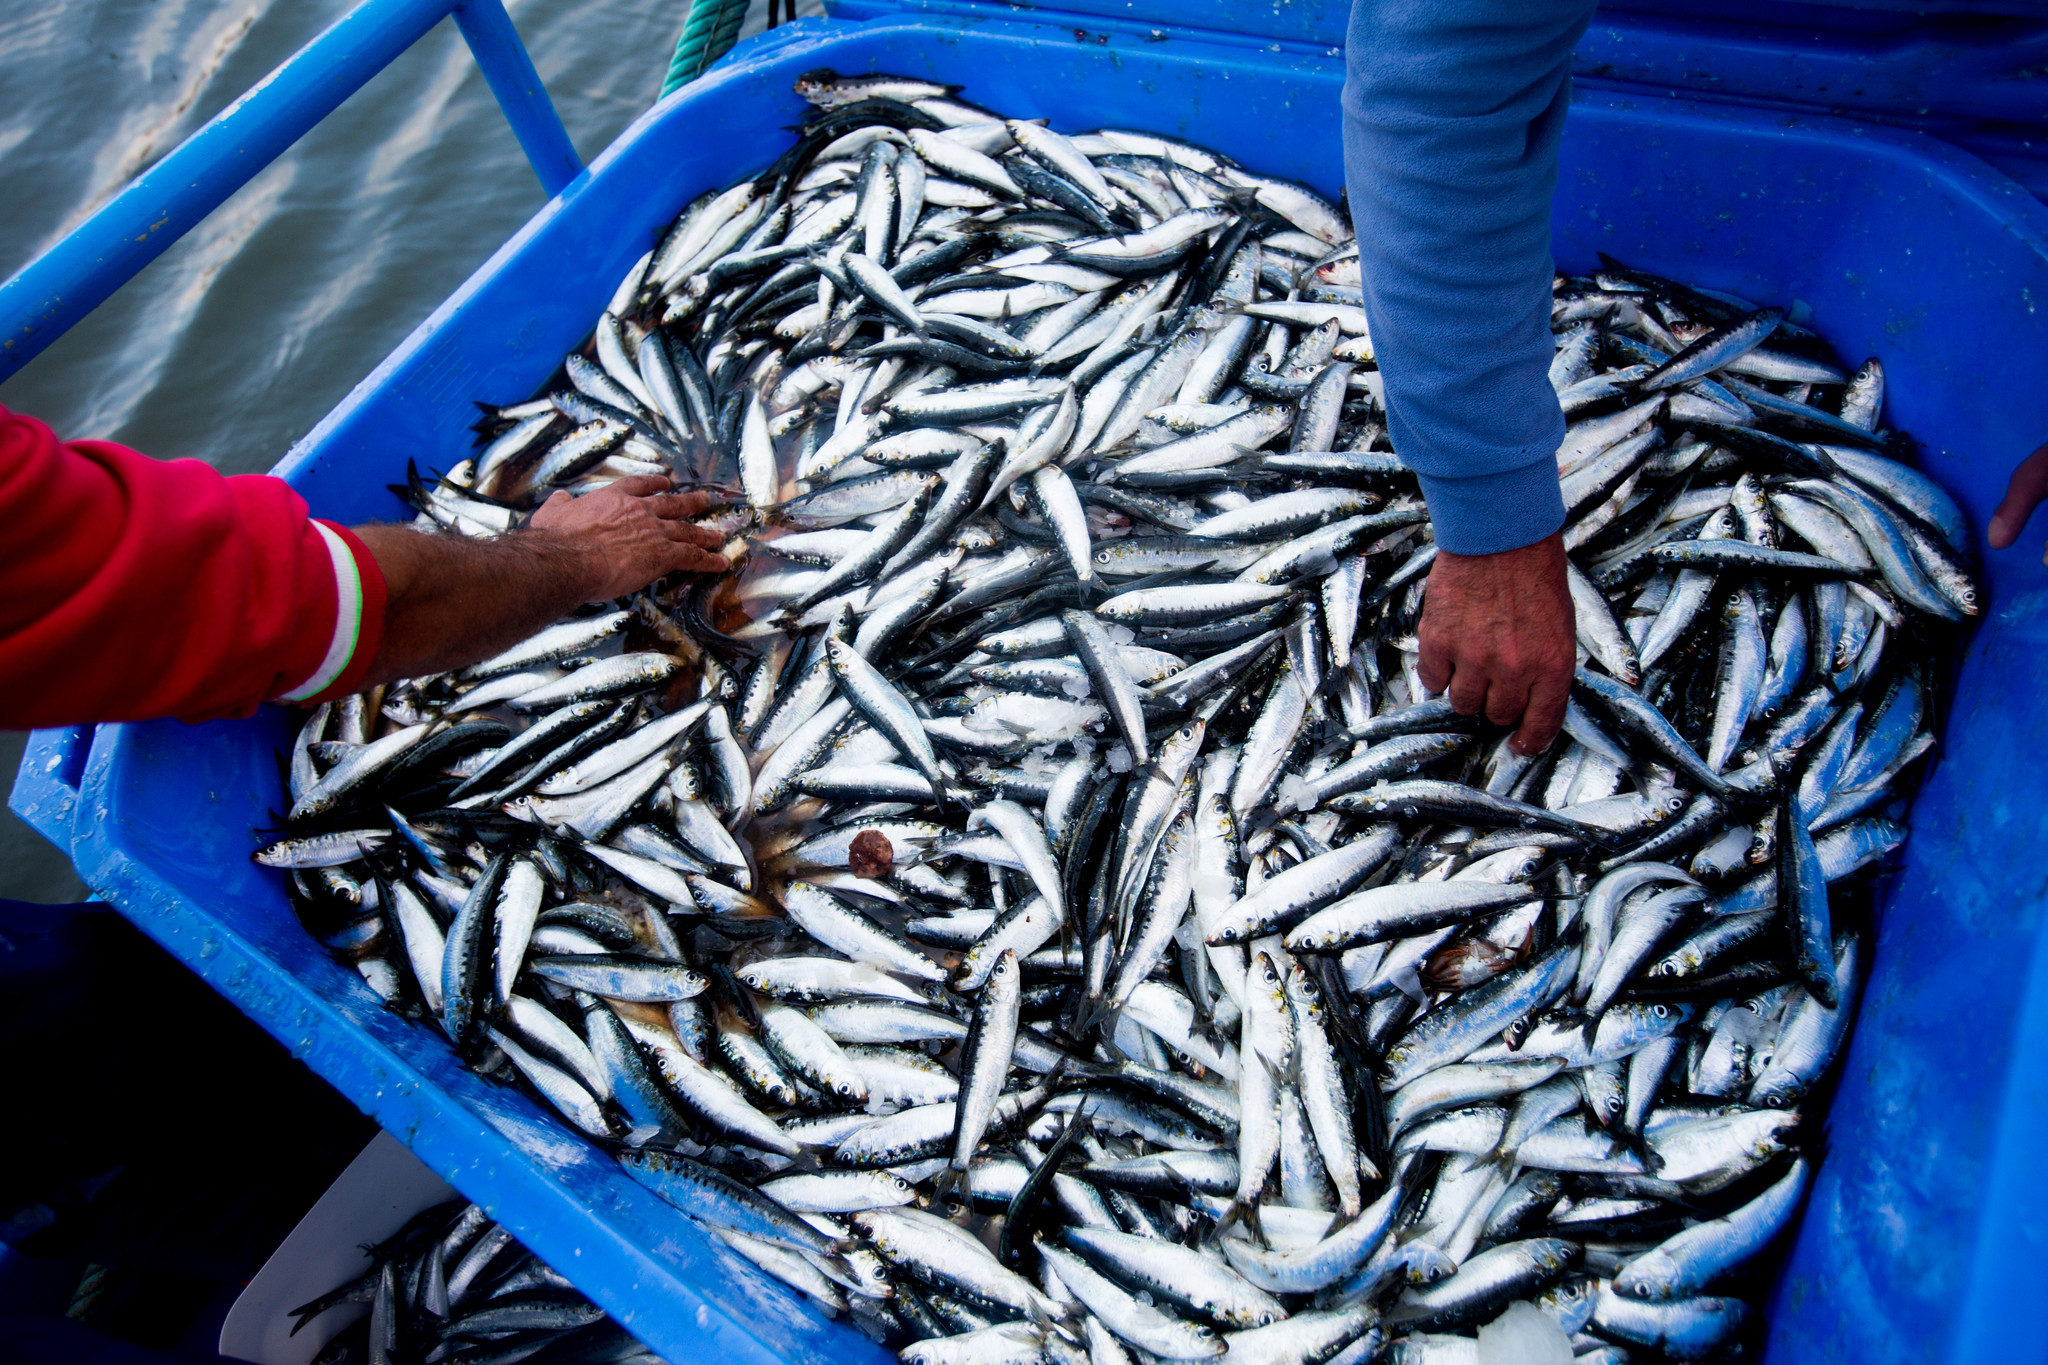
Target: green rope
(708, 34)
(730, 17)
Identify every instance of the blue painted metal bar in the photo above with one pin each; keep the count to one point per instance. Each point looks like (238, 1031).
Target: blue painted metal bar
(49, 295)
(509, 70)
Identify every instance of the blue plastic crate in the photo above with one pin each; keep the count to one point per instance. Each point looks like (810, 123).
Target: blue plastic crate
(1927, 1218)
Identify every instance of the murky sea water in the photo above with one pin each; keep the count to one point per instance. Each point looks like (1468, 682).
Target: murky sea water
(242, 336)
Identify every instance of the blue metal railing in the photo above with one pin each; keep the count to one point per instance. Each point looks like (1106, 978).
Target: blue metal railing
(52, 293)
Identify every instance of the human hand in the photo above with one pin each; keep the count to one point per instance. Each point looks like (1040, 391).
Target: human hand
(2029, 485)
(631, 532)
(1498, 635)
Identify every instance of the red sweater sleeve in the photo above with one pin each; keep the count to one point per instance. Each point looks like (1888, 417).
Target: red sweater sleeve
(132, 588)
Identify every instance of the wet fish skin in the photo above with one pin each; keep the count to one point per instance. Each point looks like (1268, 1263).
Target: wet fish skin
(985, 1056)
(1253, 761)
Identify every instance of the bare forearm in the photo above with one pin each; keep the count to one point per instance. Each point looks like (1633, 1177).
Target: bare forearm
(452, 600)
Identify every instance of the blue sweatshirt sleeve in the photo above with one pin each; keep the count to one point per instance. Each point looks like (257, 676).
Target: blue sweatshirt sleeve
(1452, 114)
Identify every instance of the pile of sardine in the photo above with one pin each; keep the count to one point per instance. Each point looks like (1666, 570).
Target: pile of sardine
(1032, 905)
(452, 1288)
